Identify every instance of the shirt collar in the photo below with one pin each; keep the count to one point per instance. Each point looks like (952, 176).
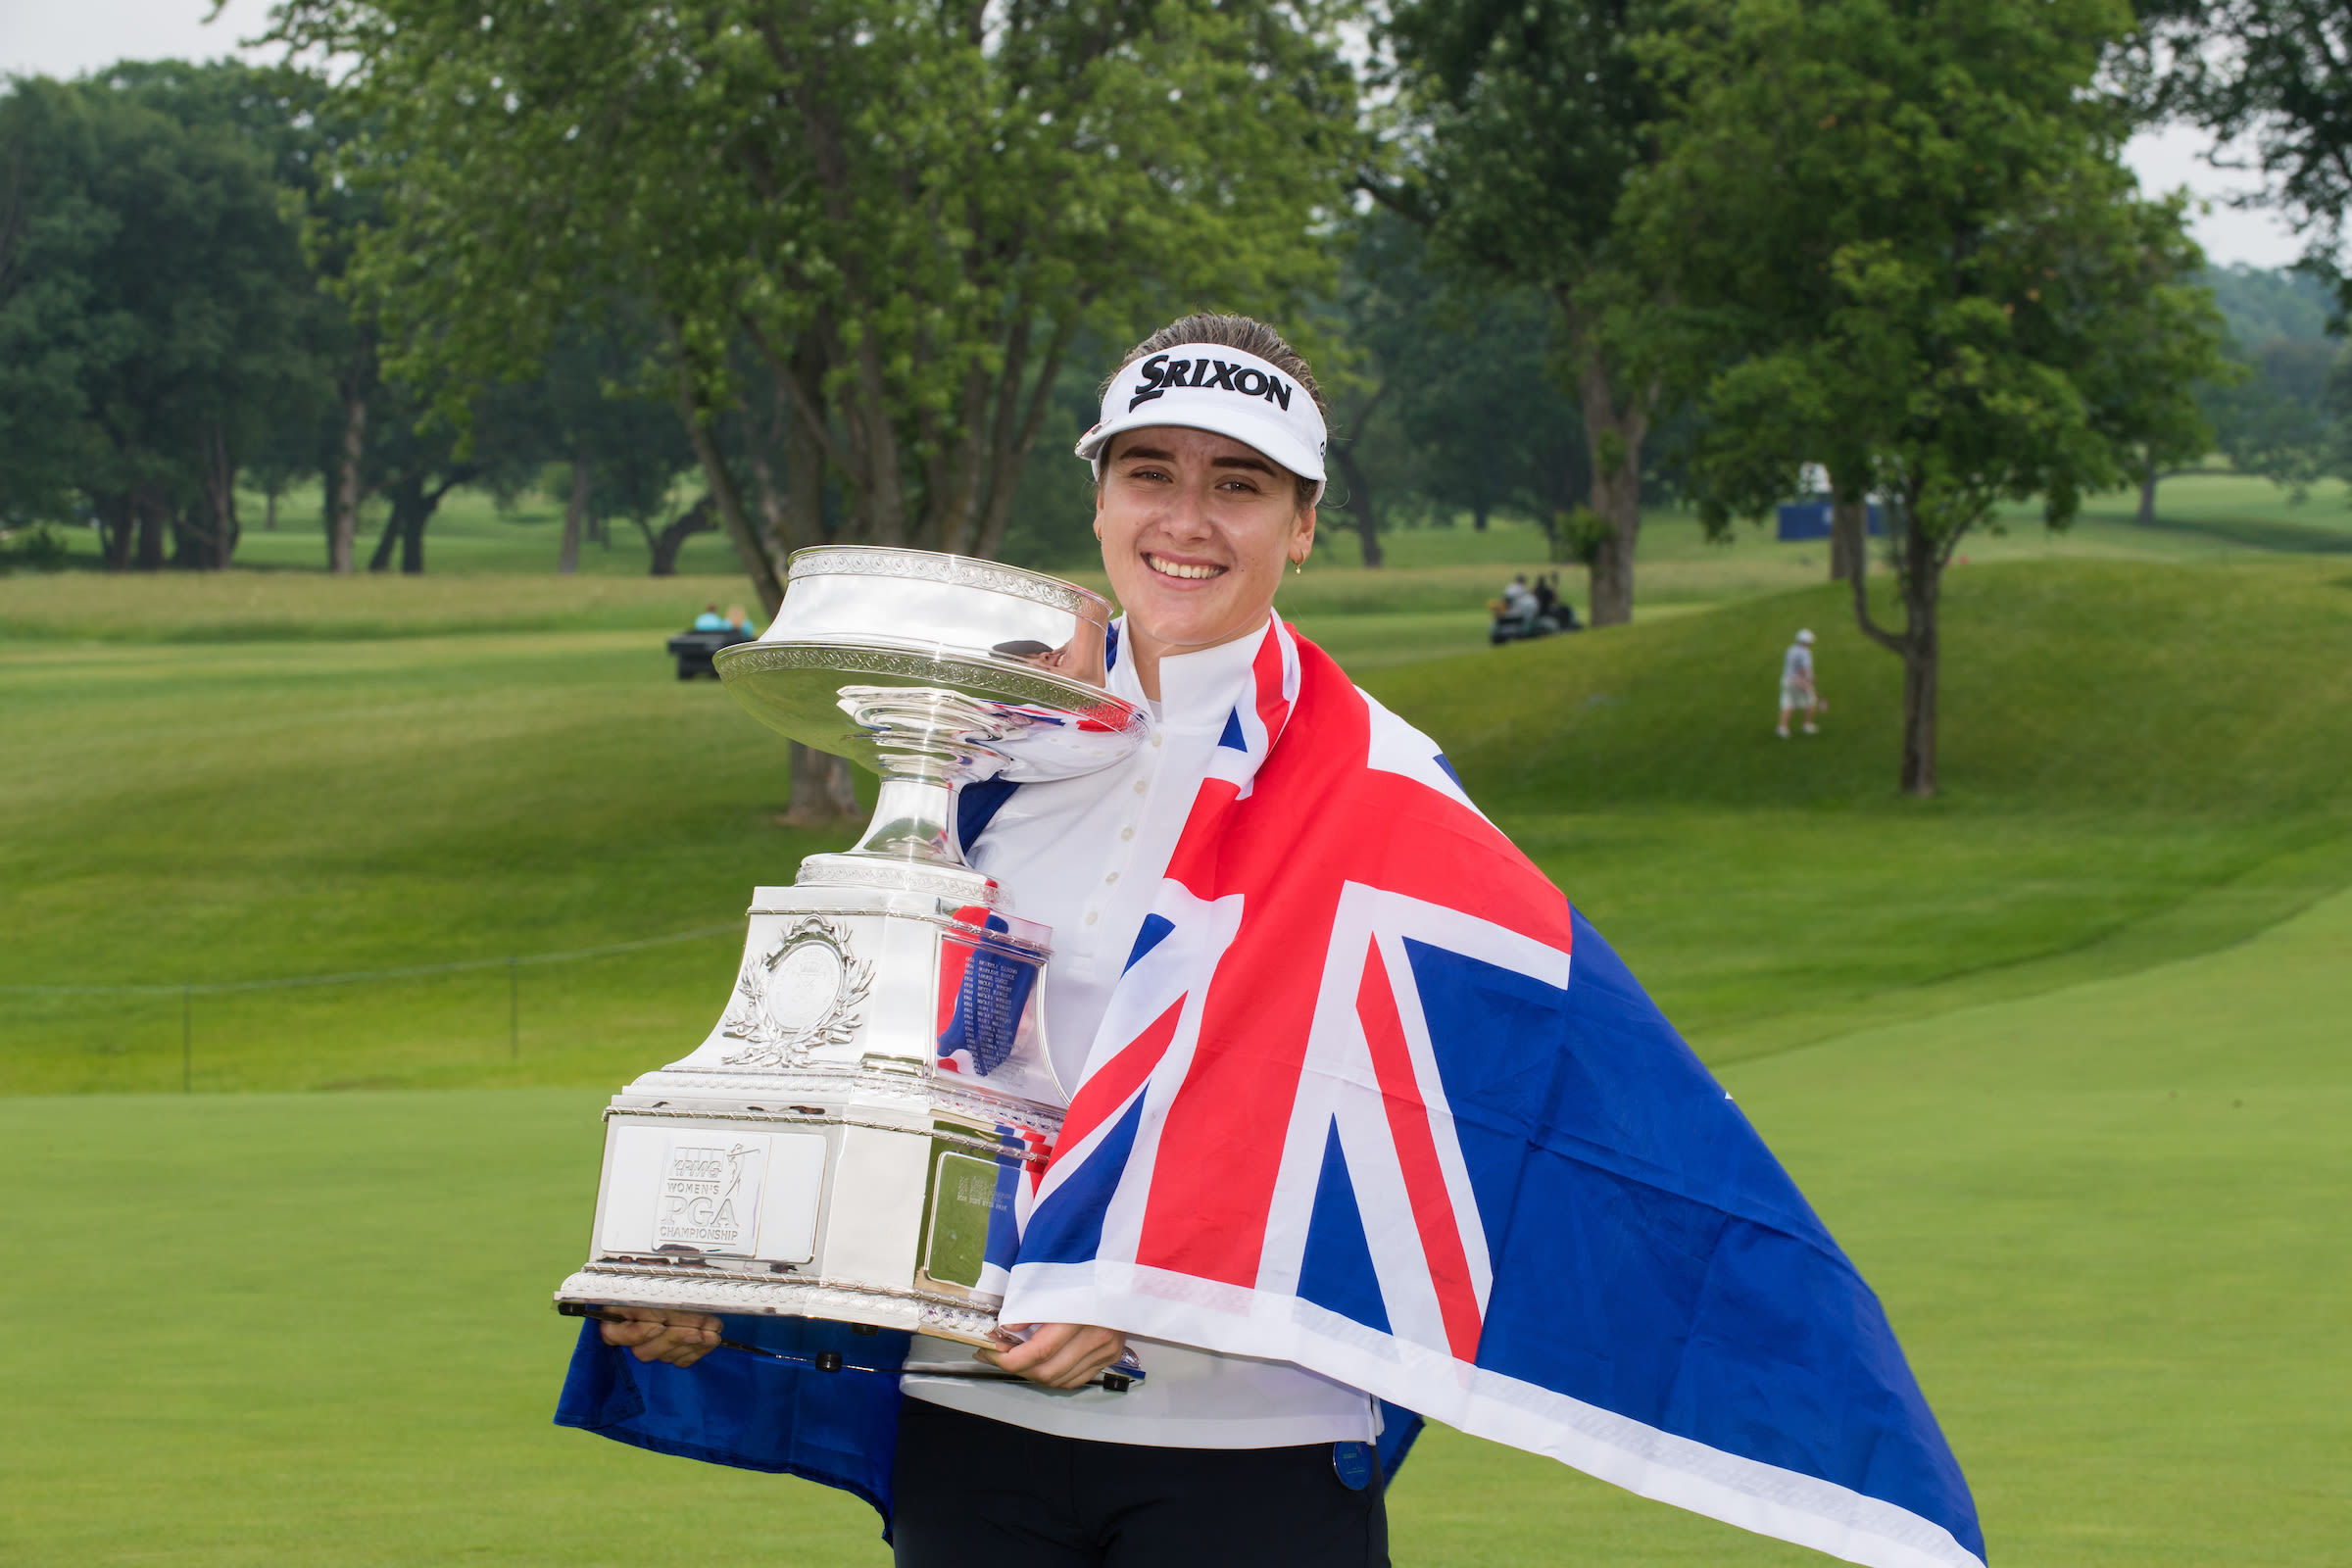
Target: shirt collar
(1197, 690)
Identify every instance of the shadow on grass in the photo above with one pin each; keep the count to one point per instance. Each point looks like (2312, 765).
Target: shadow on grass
(2316, 539)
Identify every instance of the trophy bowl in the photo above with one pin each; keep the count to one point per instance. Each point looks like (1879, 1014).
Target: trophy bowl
(854, 1139)
(935, 671)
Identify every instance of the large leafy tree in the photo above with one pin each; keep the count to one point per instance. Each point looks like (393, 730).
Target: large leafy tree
(2275, 77)
(1455, 401)
(1902, 228)
(156, 306)
(1526, 119)
(906, 209)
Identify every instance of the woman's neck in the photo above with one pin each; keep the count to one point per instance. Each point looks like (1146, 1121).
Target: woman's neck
(1147, 651)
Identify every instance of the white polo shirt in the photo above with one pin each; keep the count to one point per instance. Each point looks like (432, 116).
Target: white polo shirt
(1085, 857)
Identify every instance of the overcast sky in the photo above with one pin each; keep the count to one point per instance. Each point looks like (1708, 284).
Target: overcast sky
(64, 37)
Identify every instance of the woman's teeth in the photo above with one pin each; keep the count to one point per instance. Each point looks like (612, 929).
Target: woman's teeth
(1171, 569)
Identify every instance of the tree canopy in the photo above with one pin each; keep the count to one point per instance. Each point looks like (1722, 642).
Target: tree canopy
(906, 211)
(1903, 235)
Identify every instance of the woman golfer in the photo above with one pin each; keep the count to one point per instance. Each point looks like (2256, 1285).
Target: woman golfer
(1208, 462)
(1361, 1105)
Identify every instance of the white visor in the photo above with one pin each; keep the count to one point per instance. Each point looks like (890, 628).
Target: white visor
(1205, 387)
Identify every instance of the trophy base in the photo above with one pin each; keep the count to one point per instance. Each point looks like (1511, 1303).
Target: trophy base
(702, 1289)
(853, 1140)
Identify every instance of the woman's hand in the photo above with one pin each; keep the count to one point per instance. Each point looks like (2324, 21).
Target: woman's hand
(679, 1338)
(1061, 1356)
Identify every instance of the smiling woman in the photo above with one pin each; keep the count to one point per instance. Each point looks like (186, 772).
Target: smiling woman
(1208, 462)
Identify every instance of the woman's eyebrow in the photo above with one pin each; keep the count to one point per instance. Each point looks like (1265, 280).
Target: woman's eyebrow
(1257, 463)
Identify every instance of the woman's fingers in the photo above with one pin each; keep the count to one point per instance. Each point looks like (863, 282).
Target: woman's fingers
(679, 1338)
(1062, 1356)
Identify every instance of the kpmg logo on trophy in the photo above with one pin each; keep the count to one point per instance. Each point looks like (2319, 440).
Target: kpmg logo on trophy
(850, 1139)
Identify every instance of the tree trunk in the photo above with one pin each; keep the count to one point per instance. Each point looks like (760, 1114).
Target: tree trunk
(824, 789)
(220, 486)
(766, 581)
(804, 520)
(665, 545)
(575, 513)
(345, 509)
(117, 527)
(1478, 514)
(1919, 644)
(153, 516)
(1614, 436)
(1359, 503)
(269, 512)
(2147, 493)
(382, 558)
(1849, 535)
(1922, 648)
(411, 541)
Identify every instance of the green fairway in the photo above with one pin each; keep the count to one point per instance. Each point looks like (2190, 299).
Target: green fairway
(2059, 1056)
(320, 804)
(307, 1329)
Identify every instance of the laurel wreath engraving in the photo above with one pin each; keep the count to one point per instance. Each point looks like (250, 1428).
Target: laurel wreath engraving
(768, 1041)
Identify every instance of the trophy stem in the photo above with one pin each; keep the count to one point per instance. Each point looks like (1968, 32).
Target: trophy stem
(914, 819)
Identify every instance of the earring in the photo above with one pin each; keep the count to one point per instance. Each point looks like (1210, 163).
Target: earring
(1298, 566)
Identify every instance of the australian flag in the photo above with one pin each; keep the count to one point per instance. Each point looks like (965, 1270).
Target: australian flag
(1371, 1097)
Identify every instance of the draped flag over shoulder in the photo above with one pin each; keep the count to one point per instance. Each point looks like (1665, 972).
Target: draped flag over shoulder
(1372, 1098)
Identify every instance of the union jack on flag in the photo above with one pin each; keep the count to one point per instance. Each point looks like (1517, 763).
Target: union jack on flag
(1372, 1098)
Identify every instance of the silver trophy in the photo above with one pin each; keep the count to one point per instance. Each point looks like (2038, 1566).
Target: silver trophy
(848, 1140)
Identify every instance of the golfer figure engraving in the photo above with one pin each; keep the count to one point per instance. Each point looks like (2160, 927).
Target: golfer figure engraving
(877, 1089)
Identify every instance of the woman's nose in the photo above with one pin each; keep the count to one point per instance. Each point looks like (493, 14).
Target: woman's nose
(1192, 513)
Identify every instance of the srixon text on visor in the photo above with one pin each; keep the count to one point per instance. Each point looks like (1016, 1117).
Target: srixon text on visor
(1160, 373)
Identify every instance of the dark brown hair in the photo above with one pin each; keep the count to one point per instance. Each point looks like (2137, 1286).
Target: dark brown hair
(1243, 332)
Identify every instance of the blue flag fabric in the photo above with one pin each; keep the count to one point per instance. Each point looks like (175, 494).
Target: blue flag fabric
(838, 1429)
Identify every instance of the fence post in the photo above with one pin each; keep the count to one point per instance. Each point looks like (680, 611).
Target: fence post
(514, 1011)
(187, 1041)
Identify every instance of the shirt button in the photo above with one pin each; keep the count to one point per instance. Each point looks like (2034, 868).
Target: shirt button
(1139, 786)
(1155, 740)
(1126, 832)
(1090, 917)
(1113, 877)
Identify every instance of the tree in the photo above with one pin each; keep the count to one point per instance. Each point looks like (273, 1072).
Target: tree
(1530, 117)
(906, 210)
(2273, 418)
(2277, 72)
(1905, 233)
(1449, 398)
(154, 296)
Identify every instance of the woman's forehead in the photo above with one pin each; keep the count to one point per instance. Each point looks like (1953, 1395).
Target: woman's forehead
(1181, 442)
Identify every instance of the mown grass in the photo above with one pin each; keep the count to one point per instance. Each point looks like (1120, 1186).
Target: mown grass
(313, 1330)
(2118, 744)
(2058, 1056)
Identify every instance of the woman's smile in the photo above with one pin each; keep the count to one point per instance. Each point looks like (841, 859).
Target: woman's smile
(1174, 566)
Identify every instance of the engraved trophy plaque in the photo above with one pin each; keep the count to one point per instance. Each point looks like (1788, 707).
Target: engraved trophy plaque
(848, 1140)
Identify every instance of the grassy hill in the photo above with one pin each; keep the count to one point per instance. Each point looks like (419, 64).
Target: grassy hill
(2121, 749)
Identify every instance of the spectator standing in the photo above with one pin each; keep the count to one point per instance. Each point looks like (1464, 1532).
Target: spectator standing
(1797, 684)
